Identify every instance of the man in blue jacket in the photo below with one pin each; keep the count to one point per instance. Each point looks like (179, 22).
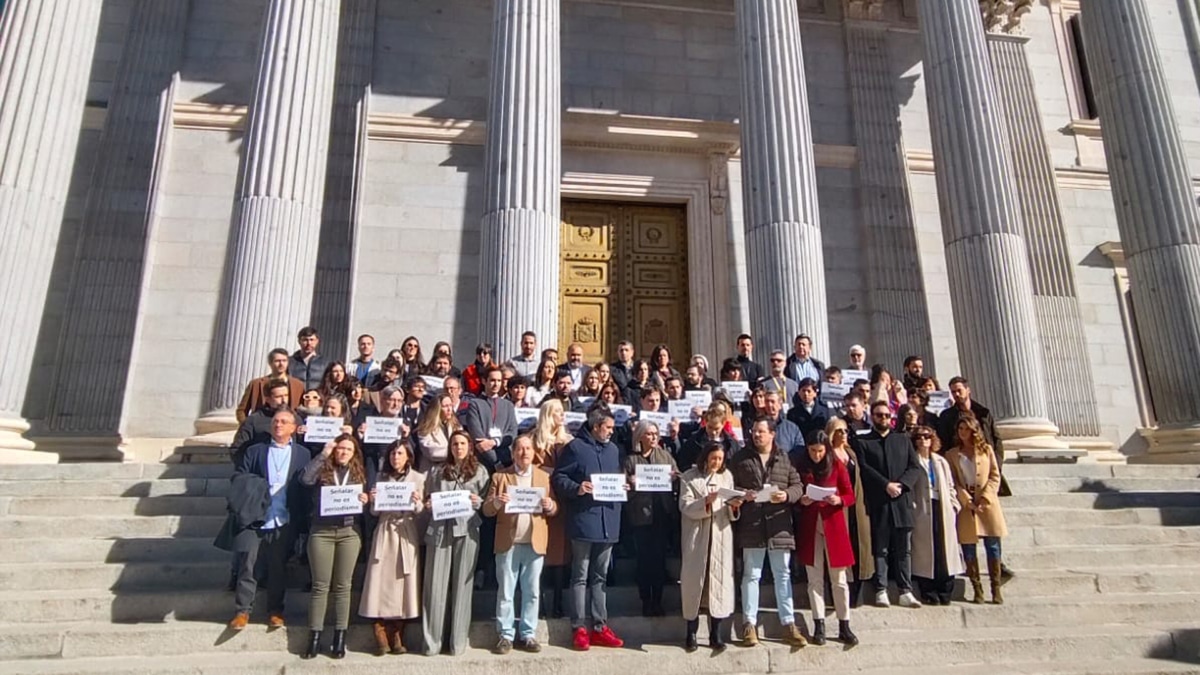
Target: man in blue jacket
(593, 526)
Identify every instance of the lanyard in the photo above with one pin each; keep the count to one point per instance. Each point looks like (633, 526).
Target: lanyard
(345, 476)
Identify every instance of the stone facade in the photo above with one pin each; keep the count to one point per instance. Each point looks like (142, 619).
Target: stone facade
(671, 68)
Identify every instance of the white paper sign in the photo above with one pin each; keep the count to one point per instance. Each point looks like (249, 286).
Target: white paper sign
(382, 429)
(621, 413)
(680, 410)
(662, 420)
(526, 417)
(763, 496)
(394, 495)
(452, 504)
(849, 376)
(574, 420)
(699, 399)
(433, 383)
(586, 401)
(817, 493)
(341, 500)
(727, 494)
(739, 435)
(652, 478)
(938, 402)
(737, 390)
(524, 499)
(322, 429)
(609, 487)
(834, 393)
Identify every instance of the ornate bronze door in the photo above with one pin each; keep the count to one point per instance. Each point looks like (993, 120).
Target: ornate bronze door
(624, 277)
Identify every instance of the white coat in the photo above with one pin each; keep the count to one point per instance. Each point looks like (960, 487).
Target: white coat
(948, 506)
(707, 546)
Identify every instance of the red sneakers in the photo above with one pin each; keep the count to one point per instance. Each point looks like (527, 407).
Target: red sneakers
(606, 638)
(581, 639)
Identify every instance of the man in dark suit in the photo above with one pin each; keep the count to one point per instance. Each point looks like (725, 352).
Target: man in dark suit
(622, 368)
(802, 363)
(257, 427)
(751, 371)
(280, 462)
(807, 412)
(890, 472)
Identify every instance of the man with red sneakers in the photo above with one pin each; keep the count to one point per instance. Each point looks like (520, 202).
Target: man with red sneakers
(593, 526)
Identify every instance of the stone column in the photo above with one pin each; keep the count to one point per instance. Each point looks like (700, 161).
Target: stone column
(277, 221)
(45, 58)
(899, 311)
(784, 259)
(990, 287)
(519, 233)
(100, 320)
(1156, 214)
(1070, 390)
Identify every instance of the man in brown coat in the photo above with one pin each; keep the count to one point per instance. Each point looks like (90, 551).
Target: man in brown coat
(765, 528)
(255, 396)
(521, 540)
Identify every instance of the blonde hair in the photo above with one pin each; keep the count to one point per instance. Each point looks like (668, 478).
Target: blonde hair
(837, 424)
(544, 435)
(982, 447)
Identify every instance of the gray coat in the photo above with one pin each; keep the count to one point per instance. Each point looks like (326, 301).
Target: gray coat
(440, 532)
(479, 420)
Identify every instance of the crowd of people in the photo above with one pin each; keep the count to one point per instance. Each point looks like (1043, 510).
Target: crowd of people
(528, 472)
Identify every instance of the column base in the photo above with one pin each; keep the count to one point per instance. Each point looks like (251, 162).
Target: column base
(84, 448)
(214, 429)
(16, 449)
(1029, 434)
(1171, 445)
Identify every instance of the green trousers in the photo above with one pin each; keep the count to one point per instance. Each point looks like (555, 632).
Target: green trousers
(332, 552)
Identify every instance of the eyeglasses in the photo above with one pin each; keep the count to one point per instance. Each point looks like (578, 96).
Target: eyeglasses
(776, 360)
(882, 415)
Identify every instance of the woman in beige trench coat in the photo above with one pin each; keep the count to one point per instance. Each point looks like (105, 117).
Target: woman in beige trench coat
(706, 578)
(936, 556)
(977, 482)
(392, 589)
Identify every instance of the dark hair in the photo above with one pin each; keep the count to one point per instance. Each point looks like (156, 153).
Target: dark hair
(803, 336)
(529, 333)
(412, 381)
(389, 364)
(358, 474)
(482, 348)
(745, 336)
(360, 337)
(597, 414)
(561, 373)
(420, 357)
(859, 382)
(387, 471)
(807, 383)
(452, 469)
(307, 331)
(327, 384)
(537, 376)
(901, 413)
(877, 404)
(959, 379)
(764, 420)
(707, 449)
(674, 378)
(908, 361)
(936, 447)
(853, 395)
(278, 351)
(806, 464)
(277, 384)
(877, 372)
(517, 381)
(657, 352)
(831, 370)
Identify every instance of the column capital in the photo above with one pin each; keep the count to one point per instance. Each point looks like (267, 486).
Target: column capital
(1004, 16)
(868, 10)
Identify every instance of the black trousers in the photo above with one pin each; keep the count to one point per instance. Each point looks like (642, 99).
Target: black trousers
(940, 588)
(892, 546)
(274, 547)
(651, 542)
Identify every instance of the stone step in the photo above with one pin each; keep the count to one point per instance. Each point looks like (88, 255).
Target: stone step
(1056, 485)
(1021, 471)
(209, 649)
(1171, 516)
(1132, 666)
(112, 471)
(1104, 500)
(1086, 583)
(1099, 557)
(1023, 537)
(180, 550)
(117, 487)
(113, 506)
(103, 527)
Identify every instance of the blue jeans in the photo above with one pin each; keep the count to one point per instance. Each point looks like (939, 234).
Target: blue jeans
(991, 547)
(519, 564)
(752, 567)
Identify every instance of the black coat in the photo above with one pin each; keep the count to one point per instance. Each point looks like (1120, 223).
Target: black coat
(766, 525)
(883, 460)
(650, 508)
(751, 371)
(309, 373)
(689, 450)
(247, 503)
(809, 421)
(254, 461)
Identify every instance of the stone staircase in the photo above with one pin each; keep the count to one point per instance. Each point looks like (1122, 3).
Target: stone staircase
(109, 568)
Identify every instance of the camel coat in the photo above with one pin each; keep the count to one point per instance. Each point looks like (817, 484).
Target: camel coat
(859, 523)
(706, 576)
(947, 509)
(973, 524)
(392, 585)
(558, 551)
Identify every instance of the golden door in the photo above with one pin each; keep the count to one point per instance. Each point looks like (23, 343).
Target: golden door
(624, 276)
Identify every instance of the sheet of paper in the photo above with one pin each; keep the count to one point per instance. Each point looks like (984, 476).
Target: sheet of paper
(341, 500)
(727, 494)
(680, 410)
(574, 420)
(652, 478)
(818, 493)
(662, 420)
(452, 504)
(586, 401)
(526, 417)
(763, 496)
(850, 376)
(737, 390)
(394, 496)
(621, 413)
(938, 401)
(609, 487)
(322, 429)
(433, 383)
(524, 499)
(382, 429)
(699, 399)
(834, 393)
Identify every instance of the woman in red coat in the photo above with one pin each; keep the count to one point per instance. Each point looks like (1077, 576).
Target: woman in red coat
(823, 536)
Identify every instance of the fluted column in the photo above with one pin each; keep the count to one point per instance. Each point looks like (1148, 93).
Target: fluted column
(1156, 214)
(990, 287)
(277, 220)
(899, 311)
(45, 57)
(519, 233)
(1070, 390)
(93, 361)
(784, 260)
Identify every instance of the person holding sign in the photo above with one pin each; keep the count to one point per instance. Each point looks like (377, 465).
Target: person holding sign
(593, 526)
(335, 536)
(857, 520)
(651, 515)
(392, 587)
(433, 433)
(823, 538)
(520, 500)
(452, 547)
(391, 401)
(706, 545)
(549, 437)
(765, 529)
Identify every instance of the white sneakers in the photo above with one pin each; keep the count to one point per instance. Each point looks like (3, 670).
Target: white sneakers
(909, 600)
(881, 599)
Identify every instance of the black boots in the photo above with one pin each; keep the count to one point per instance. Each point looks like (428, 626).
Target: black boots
(689, 642)
(714, 634)
(314, 645)
(818, 634)
(845, 635)
(338, 649)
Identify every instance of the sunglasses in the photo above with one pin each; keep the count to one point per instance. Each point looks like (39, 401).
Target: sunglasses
(923, 437)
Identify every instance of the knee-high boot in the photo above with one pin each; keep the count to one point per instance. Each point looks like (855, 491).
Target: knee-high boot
(380, 630)
(976, 585)
(995, 574)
